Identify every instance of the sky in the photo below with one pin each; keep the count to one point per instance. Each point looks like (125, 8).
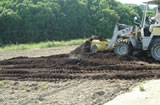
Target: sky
(136, 2)
(132, 1)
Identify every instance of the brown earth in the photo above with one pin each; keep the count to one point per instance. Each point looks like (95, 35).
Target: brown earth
(94, 78)
(37, 52)
(72, 92)
(79, 64)
(65, 67)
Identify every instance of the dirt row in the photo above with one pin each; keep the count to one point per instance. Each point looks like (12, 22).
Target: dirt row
(77, 78)
(80, 64)
(68, 67)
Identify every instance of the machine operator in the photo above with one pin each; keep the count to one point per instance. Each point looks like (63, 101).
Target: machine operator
(157, 18)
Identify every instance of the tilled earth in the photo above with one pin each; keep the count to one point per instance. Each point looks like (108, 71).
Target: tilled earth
(80, 64)
(101, 66)
(82, 78)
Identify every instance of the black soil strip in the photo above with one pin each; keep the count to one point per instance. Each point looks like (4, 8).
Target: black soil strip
(64, 67)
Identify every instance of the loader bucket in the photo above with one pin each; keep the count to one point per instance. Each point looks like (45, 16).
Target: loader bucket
(99, 46)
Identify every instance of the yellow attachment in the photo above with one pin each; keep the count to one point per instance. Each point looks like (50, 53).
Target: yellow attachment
(101, 45)
(138, 34)
(156, 31)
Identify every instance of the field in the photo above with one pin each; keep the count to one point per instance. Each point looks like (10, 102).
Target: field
(49, 44)
(74, 78)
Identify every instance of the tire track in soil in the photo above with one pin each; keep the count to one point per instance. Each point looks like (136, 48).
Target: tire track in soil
(65, 67)
(82, 66)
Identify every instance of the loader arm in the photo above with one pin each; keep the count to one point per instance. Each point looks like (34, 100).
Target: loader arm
(119, 33)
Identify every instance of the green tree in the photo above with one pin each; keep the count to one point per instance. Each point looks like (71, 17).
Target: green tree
(27, 21)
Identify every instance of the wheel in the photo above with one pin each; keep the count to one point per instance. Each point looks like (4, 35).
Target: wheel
(155, 50)
(123, 48)
(94, 49)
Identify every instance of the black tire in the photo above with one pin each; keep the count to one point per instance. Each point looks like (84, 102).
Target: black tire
(155, 50)
(123, 48)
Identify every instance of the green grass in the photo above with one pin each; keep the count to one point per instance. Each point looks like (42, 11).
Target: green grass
(141, 88)
(45, 87)
(41, 45)
(1, 83)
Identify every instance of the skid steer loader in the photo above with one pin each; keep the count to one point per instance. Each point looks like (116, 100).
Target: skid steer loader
(127, 39)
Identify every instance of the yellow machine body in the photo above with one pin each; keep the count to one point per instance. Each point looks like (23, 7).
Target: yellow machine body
(156, 31)
(101, 45)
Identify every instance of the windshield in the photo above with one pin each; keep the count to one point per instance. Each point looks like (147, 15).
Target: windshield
(144, 16)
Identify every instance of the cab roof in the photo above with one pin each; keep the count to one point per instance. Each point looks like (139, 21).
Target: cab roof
(154, 2)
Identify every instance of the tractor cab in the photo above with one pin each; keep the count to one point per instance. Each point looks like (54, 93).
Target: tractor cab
(150, 30)
(148, 26)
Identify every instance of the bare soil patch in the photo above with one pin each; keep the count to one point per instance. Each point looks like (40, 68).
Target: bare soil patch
(73, 92)
(79, 64)
(94, 78)
(37, 52)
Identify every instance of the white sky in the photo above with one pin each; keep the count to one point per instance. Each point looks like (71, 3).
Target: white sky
(132, 1)
(136, 2)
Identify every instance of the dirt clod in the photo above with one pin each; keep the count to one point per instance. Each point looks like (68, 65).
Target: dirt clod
(98, 94)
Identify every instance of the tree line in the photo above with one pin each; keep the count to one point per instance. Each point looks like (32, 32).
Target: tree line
(28, 21)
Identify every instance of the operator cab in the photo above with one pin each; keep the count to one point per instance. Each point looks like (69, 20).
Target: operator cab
(149, 25)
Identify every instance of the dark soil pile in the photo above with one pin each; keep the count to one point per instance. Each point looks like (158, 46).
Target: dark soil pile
(85, 47)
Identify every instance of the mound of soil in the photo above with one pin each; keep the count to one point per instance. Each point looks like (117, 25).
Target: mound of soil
(82, 49)
(85, 47)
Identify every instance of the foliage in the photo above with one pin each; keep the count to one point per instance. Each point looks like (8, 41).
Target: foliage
(1, 83)
(45, 87)
(28, 21)
(141, 88)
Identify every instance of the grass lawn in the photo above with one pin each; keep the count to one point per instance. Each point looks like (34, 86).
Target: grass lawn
(41, 45)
